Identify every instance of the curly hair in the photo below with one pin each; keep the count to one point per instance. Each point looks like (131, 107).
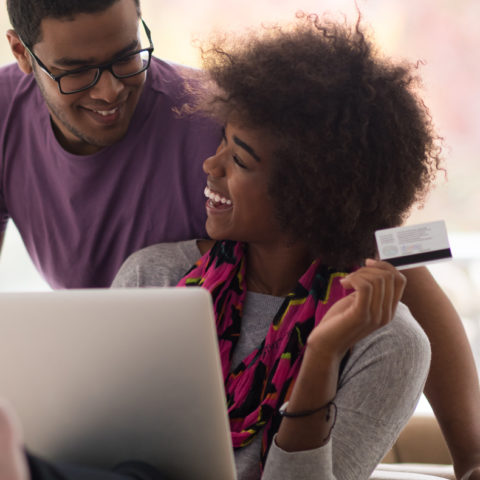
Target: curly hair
(355, 147)
(26, 15)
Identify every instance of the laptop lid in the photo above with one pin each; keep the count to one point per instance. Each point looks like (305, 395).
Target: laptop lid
(103, 376)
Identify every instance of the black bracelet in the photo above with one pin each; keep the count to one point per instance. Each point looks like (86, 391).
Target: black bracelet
(305, 413)
(328, 406)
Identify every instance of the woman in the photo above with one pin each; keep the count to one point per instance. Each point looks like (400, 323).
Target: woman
(324, 143)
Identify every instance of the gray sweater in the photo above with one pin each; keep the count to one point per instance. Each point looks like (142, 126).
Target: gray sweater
(378, 388)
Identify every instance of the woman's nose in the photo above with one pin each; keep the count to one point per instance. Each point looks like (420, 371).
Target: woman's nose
(214, 165)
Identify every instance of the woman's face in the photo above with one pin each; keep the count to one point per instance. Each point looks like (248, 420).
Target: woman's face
(238, 206)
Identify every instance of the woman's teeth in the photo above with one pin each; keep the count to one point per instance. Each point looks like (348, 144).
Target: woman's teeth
(215, 197)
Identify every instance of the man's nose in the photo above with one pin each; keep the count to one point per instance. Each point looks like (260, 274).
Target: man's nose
(108, 88)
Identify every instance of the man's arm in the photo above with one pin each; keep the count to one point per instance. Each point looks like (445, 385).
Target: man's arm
(452, 387)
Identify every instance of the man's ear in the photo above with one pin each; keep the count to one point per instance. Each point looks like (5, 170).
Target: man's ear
(20, 52)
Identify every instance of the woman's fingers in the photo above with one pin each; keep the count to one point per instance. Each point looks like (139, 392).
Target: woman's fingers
(385, 276)
(379, 287)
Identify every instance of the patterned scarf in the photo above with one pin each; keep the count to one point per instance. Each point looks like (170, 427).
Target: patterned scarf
(262, 382)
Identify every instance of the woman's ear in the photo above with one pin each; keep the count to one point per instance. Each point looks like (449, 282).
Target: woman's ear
(20, 52)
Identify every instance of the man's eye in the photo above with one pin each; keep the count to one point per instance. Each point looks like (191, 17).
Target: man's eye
(126, 60)
(83, 74)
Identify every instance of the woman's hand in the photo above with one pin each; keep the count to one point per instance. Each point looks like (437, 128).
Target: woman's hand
(378, 288)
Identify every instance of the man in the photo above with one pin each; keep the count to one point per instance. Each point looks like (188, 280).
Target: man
(94, 163)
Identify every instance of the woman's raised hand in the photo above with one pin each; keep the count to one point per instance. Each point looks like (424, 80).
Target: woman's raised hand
(377, 288)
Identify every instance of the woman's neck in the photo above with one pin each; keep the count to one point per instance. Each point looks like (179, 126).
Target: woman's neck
(271, 269)
(275, 270)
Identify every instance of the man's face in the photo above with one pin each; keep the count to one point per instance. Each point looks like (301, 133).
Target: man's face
(88, 121)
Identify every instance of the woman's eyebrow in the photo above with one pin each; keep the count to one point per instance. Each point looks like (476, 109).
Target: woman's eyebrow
(246, 147)
(74, 62)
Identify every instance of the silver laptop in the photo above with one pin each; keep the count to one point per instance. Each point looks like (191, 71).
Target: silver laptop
(103, 376)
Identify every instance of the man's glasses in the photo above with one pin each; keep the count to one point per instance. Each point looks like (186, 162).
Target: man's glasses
(81, 79)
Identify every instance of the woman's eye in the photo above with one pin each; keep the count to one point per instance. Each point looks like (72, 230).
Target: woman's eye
(238, 162)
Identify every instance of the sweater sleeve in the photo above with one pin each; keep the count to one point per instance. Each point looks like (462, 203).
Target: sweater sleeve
(377, 393)
(160, 265)
(377, 390)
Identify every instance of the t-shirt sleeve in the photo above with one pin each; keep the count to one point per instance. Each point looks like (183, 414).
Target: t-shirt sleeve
(160, 265)
(378, 392)
(8, 80)
(4, 216)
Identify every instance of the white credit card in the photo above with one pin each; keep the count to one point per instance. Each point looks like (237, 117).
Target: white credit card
(414, 245)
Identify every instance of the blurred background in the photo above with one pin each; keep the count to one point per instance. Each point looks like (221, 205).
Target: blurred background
(442, 34)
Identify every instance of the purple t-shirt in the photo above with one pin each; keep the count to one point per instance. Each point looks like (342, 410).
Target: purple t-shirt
(81, 216)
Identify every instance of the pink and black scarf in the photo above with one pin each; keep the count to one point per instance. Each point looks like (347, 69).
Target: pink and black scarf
(262, 382)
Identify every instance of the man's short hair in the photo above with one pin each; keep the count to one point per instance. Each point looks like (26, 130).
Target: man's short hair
(27, 15)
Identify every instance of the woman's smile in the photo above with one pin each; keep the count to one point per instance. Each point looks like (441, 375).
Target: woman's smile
(238, 205)
(216, 201)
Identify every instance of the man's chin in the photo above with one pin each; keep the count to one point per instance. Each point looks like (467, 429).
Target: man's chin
(86, 144)
(84, 136)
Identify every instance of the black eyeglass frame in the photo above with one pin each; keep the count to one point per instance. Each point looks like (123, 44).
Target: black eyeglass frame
(100, 68)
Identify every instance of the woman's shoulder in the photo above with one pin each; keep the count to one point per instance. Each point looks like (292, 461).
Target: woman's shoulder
(378, 391)
(159, 265)
(405, 331)
(397, 357)
(402, 338)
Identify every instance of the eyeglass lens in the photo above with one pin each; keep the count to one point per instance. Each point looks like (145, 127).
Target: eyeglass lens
(127, 66)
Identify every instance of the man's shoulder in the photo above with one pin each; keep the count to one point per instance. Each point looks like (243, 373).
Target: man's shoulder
(169, 77)
(169, 88)
(14, 84)
(11, 76)
(171, 68)
(10, 70)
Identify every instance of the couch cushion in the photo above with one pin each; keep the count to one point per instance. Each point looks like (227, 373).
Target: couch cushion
(418, 470)
(421, 441)
(384, 475)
